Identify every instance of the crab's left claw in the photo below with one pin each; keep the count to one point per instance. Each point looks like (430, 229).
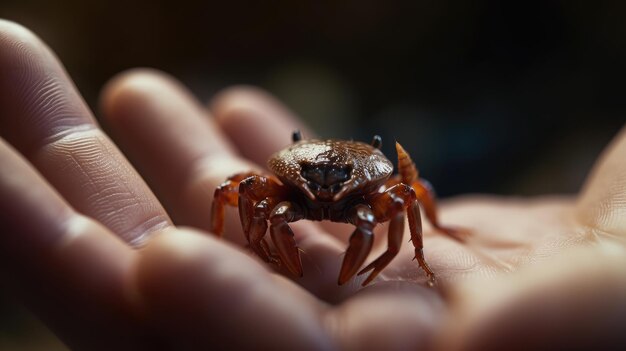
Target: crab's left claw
(345, 188)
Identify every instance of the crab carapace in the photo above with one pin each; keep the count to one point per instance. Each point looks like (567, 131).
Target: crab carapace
(335, 180)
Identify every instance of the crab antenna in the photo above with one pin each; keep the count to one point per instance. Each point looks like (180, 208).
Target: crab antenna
(377, 141)
(296, 136)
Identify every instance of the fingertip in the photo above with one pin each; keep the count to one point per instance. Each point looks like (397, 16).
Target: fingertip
(239, 110)
(12, 29)
(18, 44)
(38, 101)
(228, 101)
(149, 108)
(255, 120)
(128, 90)
(601, 202)
(388, 316)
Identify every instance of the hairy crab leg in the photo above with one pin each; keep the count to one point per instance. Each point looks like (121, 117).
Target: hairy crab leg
(391, 205)
(282, 235)
(361, 241)
(415, 228)
(424, 191)
(226, 193)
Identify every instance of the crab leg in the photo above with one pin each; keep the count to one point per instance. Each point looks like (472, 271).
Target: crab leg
(415, 228)
(225, 194)
(255, 233)
(257, 195)
(360, 242)
(282, 235)
(391, 205)
(427, 198)
(424, 192)
(394, 242)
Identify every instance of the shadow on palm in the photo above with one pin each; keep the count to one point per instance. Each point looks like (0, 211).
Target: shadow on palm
(505, 235)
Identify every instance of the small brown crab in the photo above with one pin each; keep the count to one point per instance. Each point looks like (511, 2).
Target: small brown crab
(336, 180)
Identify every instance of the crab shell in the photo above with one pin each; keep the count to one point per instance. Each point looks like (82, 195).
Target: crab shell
(369, 167)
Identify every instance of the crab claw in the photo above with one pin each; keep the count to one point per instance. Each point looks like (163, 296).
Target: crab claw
(308, 192)
(345, 188)
(302, 184)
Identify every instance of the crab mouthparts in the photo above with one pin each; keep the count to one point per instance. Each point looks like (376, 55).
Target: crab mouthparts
(325, 192)
(316, 193)
(324, 182)
(341, 193)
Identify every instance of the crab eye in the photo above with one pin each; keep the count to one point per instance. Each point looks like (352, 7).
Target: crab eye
(296, 136)
(377, 141)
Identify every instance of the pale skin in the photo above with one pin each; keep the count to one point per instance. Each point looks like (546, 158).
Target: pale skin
(93, 250)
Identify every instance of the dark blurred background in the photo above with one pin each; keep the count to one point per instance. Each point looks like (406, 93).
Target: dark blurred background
(488, 96)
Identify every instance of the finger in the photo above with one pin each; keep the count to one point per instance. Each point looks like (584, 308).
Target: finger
(576, 302)
(602, 203)
(256, 122)
(389, 316)
(203, 293)
(71, 271)
(166, 134)
(44, 117)
(255, 310)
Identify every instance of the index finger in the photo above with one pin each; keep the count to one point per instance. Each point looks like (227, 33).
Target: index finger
(43, 116)
(166, 134)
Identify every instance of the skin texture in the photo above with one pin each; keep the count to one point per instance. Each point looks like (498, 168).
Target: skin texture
(88, 242)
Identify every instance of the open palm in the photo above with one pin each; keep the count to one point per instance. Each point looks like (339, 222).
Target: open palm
(90, 241)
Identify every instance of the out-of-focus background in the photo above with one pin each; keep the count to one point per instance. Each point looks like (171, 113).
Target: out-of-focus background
(488, 96)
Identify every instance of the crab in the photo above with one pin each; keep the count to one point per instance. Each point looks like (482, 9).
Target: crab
(335, 180)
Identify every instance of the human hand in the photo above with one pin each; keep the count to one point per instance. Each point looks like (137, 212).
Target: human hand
(95, 255)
